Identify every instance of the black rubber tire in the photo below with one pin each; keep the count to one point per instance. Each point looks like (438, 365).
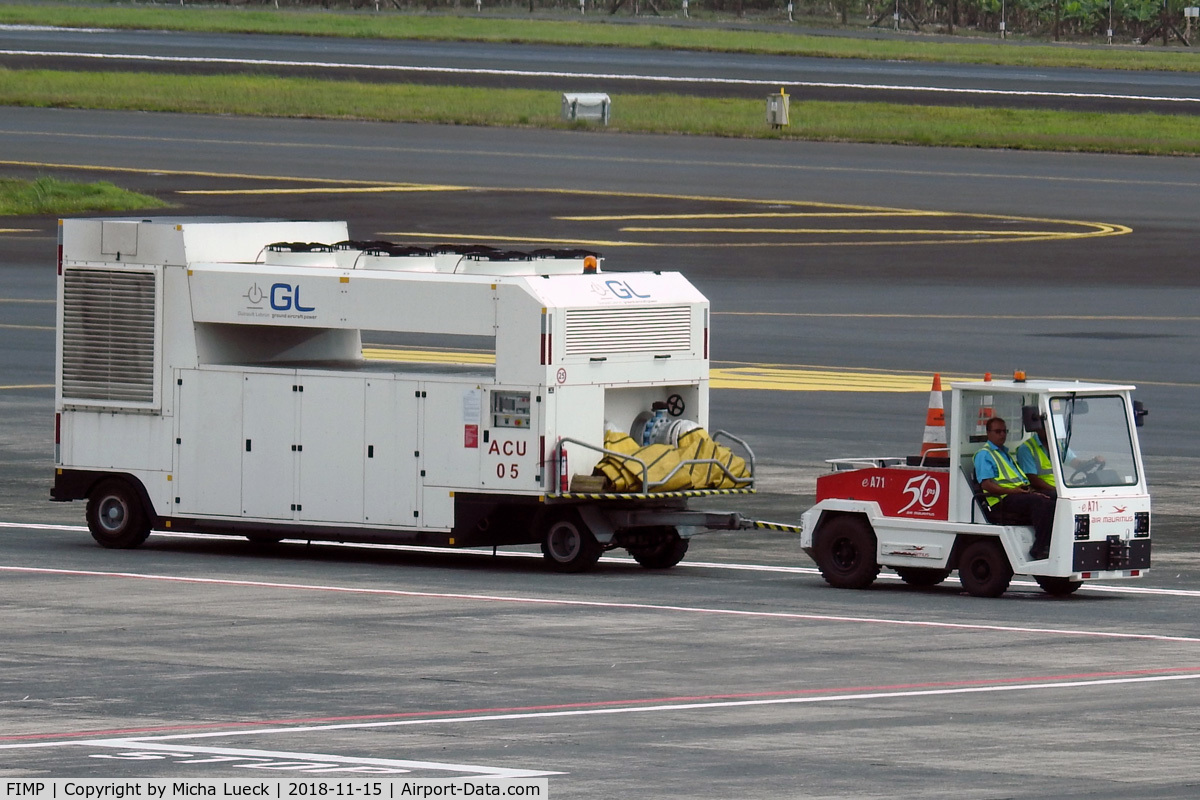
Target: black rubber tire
(923, 577)
(984, 570)
(668, 552)
(568, 545)
(116, 516)
(845, 552)
(1058, 587)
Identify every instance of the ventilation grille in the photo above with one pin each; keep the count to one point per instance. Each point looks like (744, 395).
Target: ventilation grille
(601, 331)
(108, 335)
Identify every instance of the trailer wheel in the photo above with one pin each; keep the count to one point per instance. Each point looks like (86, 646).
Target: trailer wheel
(845, 553)
(115, 515)
(984, 569)
(663, 554)
(922, 576)
(1058, 587)
(568, 545)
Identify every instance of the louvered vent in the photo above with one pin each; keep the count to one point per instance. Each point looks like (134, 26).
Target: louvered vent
(603, 331)
(108, 335)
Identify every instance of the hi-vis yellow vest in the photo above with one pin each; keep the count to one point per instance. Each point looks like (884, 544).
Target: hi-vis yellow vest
(1008, 474)
(1045, 469)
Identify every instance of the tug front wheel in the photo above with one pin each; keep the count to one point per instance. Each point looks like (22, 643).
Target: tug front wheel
(568, 545)
(922, 577)
(1057, 587)
(845, 553)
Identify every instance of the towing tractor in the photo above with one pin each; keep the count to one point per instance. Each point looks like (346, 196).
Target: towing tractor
(926, 516)
(212, 377)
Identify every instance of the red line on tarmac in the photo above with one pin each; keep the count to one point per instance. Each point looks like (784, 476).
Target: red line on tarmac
(234, 725)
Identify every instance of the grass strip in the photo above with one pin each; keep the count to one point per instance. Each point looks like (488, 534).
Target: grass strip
(880, 123)
(51, 196)
(591, 31)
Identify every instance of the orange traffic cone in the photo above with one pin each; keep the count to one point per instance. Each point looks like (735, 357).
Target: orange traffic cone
(934, 441)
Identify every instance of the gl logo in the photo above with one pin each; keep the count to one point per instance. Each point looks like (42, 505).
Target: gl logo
(285, 297)
(619, 289)
(622, 289)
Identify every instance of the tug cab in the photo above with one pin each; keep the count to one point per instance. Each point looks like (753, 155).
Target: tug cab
(926, 516)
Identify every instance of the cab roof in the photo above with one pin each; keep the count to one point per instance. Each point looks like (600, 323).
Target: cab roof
(1039, 387)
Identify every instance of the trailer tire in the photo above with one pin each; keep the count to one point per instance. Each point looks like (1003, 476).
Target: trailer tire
(568, 545)
(845, 553)
(923, 577)
(665, 553)
(1057, 587)
(115, 515)
(984, 569)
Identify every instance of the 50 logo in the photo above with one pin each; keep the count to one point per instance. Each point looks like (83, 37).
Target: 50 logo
(924, 491)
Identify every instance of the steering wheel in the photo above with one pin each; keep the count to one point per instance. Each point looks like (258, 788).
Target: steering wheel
(1082, 474)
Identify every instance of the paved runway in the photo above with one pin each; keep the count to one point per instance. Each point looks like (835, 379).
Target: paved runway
(602, 69)
(736, 674)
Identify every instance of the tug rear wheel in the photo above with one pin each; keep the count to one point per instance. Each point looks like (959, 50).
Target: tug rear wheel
(984, 569)
(845, 553)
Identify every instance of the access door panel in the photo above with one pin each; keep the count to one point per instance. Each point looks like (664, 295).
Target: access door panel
(208, 444)
(331, 449)
(269, 438)
(390, 485)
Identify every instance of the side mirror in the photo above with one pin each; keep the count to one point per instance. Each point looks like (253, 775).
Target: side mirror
(1031, 418)
(1139, 413)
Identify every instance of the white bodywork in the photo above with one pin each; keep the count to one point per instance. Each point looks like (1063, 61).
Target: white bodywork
(229, 380)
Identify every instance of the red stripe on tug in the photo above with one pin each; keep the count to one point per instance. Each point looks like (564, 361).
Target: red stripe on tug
(909, 492)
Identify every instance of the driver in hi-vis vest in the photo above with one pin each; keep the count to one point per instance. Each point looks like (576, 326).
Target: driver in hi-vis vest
(1008, 490)
(1034, 460)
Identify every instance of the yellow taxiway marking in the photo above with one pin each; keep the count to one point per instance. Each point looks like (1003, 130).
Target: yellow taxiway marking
(757, 215)
(949, 232)
(195, 173)
(459, 237)
(805, 379)
(36, 300)
(428, 356)
(14, 326)
(1080, 229)
(760, 377)
(18, 230)
(28, 386)
(332, 190)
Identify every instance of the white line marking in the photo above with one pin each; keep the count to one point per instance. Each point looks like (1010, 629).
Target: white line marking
(609, 76)
(152, 741)
(412, 548)
(607, 604)
(14, 27)
(399, 764)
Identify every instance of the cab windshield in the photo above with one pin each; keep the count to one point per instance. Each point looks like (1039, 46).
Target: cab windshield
(1095, 446)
